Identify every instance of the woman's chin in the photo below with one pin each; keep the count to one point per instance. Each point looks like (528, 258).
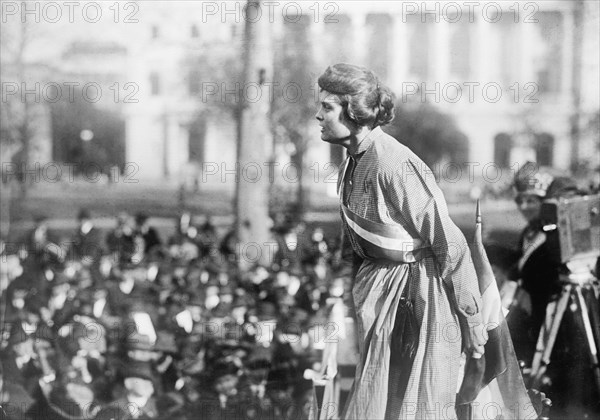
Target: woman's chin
(329, 139)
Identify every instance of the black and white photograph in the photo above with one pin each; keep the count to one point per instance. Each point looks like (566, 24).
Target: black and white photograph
(286, 210)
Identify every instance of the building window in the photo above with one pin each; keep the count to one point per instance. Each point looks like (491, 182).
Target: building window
(544, 149)
(510, 44)
(196, 140)
(155, 32)
(194, 32)
(379, 27)
(502, 149)
(460, 52)
(339, 40)
(154, 84)
(549, 70)
(419, 47)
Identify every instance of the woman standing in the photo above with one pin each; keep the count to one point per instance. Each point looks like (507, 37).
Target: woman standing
(538, 265)
(411, 260)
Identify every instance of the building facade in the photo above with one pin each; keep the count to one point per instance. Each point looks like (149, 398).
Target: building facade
(520, 78)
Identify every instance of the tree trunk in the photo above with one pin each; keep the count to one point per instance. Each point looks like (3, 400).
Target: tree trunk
(23, 128)
(576, 89)
(254, 144)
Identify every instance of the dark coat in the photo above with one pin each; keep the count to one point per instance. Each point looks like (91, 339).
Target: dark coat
(87, 245)
(538, 268)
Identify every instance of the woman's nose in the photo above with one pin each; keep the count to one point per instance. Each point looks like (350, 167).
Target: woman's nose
(318, 115)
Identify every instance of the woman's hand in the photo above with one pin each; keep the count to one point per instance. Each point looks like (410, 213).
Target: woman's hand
(474, 335)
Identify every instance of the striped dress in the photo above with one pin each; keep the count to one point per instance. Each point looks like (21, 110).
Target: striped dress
(396, 220)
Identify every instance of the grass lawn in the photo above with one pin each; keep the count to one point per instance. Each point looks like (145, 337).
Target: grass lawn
(60, 203)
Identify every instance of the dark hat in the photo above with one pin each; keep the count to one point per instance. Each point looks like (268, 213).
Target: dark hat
(222, 368)
(135, 369)
(84, 214)
(40, 218)
(137, 341)
(267, 310)
(529, 179)
(299, 316)
(33, 303)
(296, 270)
(17, 335)
(60, 278)
(196, 299)
(165, 342)
(279, 379)
(225, 290)
(562, 186)
(68, 337)
(141, 217)
(258, 364)
(242, 301)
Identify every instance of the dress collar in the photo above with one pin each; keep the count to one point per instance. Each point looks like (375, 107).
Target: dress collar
(367, 141)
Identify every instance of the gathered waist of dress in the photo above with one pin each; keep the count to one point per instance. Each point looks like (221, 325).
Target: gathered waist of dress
(397, 258)
(384, 242)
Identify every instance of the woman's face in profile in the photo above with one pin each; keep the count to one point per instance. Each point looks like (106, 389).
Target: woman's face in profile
(335, 126)
(530, 206)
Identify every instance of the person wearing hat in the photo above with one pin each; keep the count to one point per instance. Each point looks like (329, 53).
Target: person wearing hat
(61, 305)
(87, 243)
(148, 233)
(280, 390)
(20, 361)
(14, 399)
(121, 241)
(570, 381)
(207, 237)
(158, 354)
(42, 246)
(140, 400)
(538, 265)
(65, 399)
(292, 246)
(257, 373)
(222, 398)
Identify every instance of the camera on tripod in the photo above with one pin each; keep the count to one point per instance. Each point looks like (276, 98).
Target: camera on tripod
(577, 221)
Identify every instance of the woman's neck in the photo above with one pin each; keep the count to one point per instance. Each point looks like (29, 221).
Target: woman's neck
(356, 138)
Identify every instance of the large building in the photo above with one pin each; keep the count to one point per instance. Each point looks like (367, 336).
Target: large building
(519, 78)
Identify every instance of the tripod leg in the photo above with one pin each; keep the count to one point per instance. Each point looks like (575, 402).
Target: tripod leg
(547, 336)
(589, 335)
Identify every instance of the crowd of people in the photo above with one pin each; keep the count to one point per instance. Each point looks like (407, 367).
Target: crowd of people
(128, 325)
(131, 325)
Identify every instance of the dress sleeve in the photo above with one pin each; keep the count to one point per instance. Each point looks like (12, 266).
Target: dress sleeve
(415, 201)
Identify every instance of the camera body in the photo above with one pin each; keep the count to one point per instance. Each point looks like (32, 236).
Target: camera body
(577, 220)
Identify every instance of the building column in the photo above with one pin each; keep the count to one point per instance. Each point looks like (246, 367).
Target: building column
(481, 149)
(568, 58)
(440, 54)
(359, 34)
(399, 63)
(483, 40)
(527, 36)
(316, 32)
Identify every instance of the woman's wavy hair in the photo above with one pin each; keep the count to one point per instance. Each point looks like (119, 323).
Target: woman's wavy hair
(365, 100)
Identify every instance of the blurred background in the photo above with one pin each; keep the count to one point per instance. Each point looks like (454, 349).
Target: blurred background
(114, 103)
(198, 117)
